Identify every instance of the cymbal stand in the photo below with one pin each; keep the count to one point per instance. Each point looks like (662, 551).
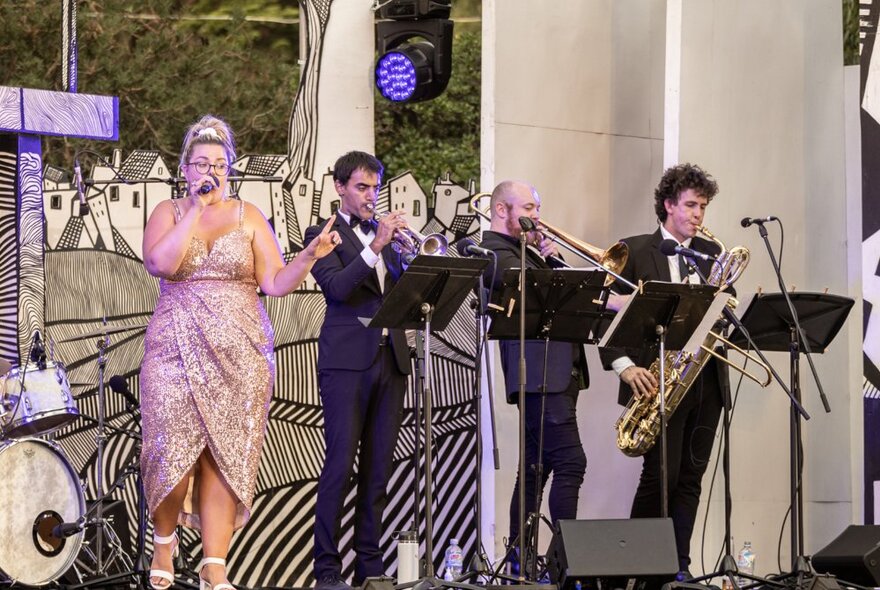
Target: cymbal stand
(138, 567)
(100, 439)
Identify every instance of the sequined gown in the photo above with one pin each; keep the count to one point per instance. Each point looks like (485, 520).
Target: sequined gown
(207, 374)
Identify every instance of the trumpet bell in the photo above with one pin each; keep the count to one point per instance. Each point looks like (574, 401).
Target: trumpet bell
(434, 245)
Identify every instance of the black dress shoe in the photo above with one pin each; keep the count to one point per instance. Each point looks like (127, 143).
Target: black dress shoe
(332, 582)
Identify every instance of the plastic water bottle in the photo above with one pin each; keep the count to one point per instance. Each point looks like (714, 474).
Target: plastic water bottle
(453, 561)
(745, 563)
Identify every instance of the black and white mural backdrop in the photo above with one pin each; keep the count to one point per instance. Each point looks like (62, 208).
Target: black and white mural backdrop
(65, 273)
(870, 126)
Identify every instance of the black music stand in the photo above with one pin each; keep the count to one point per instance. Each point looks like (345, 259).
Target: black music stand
(425, 298)
(678, 316)
(768, 319)
(561, 305)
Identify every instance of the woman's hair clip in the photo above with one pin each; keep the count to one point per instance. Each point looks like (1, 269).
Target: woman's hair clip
(208, 132)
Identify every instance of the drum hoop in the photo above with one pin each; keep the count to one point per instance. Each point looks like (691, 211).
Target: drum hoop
(75, 540)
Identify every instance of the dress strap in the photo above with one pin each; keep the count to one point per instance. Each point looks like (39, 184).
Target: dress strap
(240, 214)
(176, 211)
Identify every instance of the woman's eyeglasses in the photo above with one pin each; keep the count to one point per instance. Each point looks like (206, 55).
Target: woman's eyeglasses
(221, 168)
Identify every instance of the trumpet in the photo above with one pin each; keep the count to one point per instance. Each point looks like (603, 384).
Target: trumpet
(409, 243)
(612, 259)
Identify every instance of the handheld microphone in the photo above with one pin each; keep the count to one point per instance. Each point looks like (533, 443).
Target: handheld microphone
(80, 193)
(467, 247)
(747, 221)
(208, 187)
(65, 529)
(671, 248)
(120, 386)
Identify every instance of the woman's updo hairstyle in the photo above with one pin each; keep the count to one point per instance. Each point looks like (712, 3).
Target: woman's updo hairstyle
(208, 129)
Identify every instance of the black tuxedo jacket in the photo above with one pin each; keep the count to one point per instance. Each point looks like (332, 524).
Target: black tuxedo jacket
(562, 356)
(647, 263)
(351, 290)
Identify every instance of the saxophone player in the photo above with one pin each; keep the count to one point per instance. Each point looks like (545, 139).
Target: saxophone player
(680, 202)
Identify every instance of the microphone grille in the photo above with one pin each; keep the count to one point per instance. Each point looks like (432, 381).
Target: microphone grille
(118, 383)
(462, 246)
(526, 223)
(667, 247)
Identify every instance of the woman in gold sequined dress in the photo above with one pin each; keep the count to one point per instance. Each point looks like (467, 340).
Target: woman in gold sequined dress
(208, 367)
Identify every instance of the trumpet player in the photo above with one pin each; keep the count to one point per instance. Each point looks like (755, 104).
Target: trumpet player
(562, 453)
(680, 202)
(361, 372)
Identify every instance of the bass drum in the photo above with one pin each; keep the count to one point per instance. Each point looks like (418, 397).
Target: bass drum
(39, 489)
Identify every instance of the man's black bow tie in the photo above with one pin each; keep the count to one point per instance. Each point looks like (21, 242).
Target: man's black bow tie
(366, 224)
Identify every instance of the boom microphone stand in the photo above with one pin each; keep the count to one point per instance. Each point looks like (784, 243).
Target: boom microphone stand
(799, 563)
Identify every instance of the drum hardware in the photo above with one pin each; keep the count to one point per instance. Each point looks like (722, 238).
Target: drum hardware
(34, 508)
(107, 553)
(100, 574)
(105, 330)
(36, 397)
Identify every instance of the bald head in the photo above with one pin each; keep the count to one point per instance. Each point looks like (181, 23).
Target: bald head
(511, 200)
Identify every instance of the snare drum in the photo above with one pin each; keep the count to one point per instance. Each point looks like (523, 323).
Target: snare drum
(39, 489)
(44, 403)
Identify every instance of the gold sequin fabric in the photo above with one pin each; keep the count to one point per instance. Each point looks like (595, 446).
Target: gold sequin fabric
(207, 375)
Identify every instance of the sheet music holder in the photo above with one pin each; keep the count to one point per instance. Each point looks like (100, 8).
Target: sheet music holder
(442, 281)
(427, 295)
(679, 307)
(768, 320)
(563, 302)
(677, 316)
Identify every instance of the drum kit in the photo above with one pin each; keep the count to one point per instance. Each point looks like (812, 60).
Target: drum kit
(43, 510)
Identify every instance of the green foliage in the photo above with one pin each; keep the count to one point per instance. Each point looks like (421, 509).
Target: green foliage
(165, 68)
(850, 32)
(439, 135)
(170, 61)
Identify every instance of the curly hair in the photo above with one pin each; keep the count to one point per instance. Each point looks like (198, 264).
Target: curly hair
(346, 165)
(681, 178)
(208, 129)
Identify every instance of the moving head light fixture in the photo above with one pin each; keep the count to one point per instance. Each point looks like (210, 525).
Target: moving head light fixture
(414, 42)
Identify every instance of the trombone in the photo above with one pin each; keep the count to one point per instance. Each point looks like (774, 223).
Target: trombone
(612, 260)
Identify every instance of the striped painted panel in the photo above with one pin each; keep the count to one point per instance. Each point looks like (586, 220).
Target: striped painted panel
(89, 284)
(70, 114)
(31, 237)
(8, 253)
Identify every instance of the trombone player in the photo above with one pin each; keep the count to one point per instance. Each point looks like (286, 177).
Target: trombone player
(680, 202)
(362, 372)
(563, 454)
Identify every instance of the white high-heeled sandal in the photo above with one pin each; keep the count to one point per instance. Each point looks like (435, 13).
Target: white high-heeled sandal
(203, 583)
(162, 574)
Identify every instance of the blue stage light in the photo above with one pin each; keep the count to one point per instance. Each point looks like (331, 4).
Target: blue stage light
(415, 57)
(396, 76)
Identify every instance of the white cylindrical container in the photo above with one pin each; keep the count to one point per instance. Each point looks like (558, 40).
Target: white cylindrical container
(407, 557)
